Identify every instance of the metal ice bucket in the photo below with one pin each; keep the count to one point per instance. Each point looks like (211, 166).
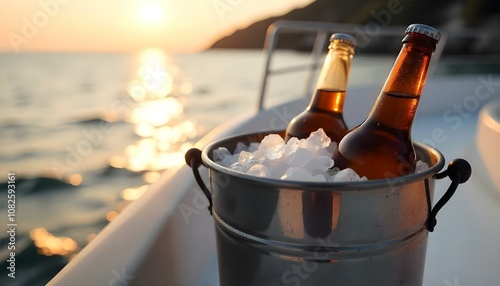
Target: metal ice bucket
(273, 232)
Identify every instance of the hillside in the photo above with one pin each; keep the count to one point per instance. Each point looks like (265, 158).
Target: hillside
(445, 13)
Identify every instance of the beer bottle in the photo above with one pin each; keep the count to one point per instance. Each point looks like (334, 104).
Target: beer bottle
(381, 146)
(325, 108)
(325, 111)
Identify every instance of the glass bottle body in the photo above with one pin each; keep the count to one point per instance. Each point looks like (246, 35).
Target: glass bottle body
(381, 147)
(379, 151)
(326, 105)
(311, 119)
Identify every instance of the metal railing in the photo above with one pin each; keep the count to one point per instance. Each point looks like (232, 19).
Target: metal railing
(323, 30)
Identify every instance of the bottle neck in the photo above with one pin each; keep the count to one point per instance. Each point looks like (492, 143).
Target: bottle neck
(397, 103)
(409, 72)
(332, 81)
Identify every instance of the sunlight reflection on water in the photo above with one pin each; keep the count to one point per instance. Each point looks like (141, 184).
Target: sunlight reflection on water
(158, 116)
(158, 94)
(48, 244)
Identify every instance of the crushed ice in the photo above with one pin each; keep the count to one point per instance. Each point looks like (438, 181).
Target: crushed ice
(307, 159)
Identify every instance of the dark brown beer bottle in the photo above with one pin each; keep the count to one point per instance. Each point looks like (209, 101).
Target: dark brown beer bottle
(381, 146)
(325, 108)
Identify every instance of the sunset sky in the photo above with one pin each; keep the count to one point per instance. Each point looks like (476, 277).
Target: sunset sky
(127, 25)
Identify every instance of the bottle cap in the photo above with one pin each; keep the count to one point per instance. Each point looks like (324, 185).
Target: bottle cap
(340, 37)
(424, 30)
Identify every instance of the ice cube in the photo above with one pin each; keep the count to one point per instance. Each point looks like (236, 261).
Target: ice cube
(297, 174)
(237, 167)
(245, 157)
(299, 158)
(319, 178)
(291, 146)
(332, 172)
(220, 153)
(240, 146)
(246, 160)
(347, 175)
(272, 146)
(319, 164)
(259, 155)
(223, 157)
(277, 168)
(421, 166)
(253, 146)
(303, 143)
(258, 170)
(229, 160)
(318, 139)
(327, 151)
(301, 174)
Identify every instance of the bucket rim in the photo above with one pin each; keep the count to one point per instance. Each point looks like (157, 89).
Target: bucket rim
(321, 186)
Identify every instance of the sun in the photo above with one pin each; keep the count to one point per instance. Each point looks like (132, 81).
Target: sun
(150, 13)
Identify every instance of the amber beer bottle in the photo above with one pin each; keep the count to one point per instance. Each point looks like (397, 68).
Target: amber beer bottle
(381, 146)
(325, 111)
(325, 108)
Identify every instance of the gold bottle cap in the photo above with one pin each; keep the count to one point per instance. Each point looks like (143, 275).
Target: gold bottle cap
(346, 38)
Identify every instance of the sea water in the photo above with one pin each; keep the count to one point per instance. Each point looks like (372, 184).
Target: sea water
(86, 134)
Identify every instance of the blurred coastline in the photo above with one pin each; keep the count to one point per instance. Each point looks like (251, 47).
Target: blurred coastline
(369, 17)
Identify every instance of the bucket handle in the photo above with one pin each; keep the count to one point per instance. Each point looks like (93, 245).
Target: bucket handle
(193, 159)
(459, 171)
